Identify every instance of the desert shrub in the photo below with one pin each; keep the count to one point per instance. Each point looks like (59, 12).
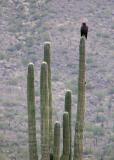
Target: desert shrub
(29, 41)
(88, 135)
(109, 152)
(101, 94)
(2, 56)
(11, 49)
(111, 91)
(9, 101)
(88, 150)
(89, 86)
(113, 128)
(89, 61)
(111, 139)
(22, 153)
(13, 81)
(100, 109)
(61, 29)
(88, 127)
(18, 46)
(4, 126)
(103, 35)
(98, 34)
(98, 131)
(100, 118)
(15, 26)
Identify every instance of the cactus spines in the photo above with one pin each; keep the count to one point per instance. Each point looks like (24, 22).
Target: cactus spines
(68, 104)
(56, 149)
(33, 155)
(79, 126)
(66, 137)
(44, 106)
(47, 58)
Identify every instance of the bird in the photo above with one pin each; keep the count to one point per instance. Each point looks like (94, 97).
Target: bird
(84, 30)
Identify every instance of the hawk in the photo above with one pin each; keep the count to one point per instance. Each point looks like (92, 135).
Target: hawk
(84, 30)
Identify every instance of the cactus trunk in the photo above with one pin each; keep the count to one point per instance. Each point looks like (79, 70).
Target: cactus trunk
(44, 104)
(66, 137)
(78, 139)
(47, 58)
(56, 149)
(33, 155)
(68, 103)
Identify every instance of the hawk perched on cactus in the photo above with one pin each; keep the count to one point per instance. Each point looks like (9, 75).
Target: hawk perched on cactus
(84, 30)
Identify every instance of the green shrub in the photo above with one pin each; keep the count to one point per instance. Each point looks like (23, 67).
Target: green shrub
(113, 128)
(89, 127)
(29, 41)
(111, 139)
(61, 29)
(98, 131)
(88, 135)
(101, 94)
(2, 56)
(88, 150)
(109, 151)
(100, 109)
(13, 81)
(89, 61)
(100, 118)
(111, 91)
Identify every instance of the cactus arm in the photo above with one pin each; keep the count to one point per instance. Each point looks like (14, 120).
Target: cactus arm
(78, 139)
(56, 149)
(44, 106)
(66, 137)
(47, 58)
(68, 103)
(33, 155)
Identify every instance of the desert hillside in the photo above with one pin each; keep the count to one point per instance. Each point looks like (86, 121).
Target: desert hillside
(24, 27)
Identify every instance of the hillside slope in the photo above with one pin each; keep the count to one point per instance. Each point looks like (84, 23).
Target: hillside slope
(24, 26)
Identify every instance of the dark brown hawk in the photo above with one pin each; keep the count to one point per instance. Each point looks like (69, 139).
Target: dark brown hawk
(84, 30)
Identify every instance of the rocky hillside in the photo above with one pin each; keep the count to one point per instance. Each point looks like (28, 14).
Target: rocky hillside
(24, 27)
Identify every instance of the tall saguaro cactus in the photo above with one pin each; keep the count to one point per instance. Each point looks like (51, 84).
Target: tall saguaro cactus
(47, 58)
(68, 104)
(33, 155)
(66, 137)
(44, 102)
(78, 139)
(56, 148)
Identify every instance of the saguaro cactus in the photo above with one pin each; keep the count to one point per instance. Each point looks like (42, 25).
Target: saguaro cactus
(66, 137)
(47, 58)
(68, 104)
(56, 149)
(44, 102)
(31, 114)
(78, 139)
